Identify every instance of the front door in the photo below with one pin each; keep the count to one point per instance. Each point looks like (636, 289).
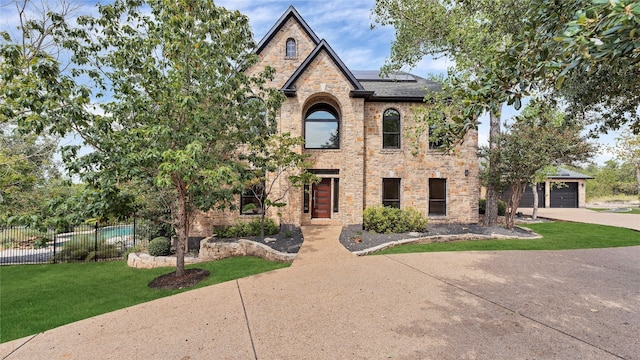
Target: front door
(321, 199)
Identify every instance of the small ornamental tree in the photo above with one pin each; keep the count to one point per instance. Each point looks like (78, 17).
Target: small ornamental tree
(171, 75)
(538, 138)
(277, 168)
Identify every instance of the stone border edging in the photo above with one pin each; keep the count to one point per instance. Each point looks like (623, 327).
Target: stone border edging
(444, 238)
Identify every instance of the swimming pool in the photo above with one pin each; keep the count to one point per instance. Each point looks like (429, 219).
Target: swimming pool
(114, 231)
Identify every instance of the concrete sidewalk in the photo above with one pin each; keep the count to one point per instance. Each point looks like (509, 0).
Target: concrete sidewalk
(581, 304)
(630, 221)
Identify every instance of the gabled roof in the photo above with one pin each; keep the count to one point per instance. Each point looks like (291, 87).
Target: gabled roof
(399, 86)
(358, 90)
(291, 12)
(563, 173)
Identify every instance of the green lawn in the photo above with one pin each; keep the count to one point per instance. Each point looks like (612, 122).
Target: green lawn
(555, 236)
(633, 210)
(35, 298)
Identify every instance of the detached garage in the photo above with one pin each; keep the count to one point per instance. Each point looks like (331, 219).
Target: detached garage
(565, 189)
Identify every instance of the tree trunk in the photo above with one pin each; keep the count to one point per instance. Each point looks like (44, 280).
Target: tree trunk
(517, 190)
(637, 166)
(491, 210)
(534, 189)
(182, 218)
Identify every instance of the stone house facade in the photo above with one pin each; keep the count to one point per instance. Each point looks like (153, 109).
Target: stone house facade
(357, 127)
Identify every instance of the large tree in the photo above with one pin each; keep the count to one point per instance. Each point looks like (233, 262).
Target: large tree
(176, 101)
(537, 140)
(589, 51)
(475, 35)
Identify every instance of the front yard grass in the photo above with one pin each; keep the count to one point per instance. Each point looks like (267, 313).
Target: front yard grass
(35, 298)
(555, 236)
(632, 211)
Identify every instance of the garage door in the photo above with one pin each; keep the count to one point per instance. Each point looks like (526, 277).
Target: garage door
(565, 196)
(527, 197)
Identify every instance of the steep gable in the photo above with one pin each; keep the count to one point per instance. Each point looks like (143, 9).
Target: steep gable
(272, 47)
(357, 91)
(290, 14)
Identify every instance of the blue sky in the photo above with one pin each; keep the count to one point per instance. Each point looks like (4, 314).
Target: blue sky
(345, 24)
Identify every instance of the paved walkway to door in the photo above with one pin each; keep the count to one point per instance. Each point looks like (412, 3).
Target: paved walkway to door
(631, 221)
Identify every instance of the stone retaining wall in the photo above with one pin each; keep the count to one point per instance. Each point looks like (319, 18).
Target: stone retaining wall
(145, 261)
(211, 250)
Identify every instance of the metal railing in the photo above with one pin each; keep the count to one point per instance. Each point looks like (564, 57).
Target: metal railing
(23, 245)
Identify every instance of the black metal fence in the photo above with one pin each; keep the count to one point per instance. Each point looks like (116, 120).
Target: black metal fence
(82, 243)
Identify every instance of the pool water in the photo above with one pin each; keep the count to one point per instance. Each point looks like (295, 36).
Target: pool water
(117, 230)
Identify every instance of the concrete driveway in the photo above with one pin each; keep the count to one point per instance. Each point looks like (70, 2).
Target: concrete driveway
(581, 304)
(631, 221)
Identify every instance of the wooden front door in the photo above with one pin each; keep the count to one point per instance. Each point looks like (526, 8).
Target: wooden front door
(321, 199)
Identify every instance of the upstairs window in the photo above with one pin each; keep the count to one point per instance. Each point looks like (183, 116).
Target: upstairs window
(391, 129)
(290, 51)
(321, 128)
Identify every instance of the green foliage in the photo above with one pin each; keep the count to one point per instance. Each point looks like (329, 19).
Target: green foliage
(20, 236)
(180, 105)
(131, 250)
(148, 230)
(611, 180)
(502, 207)
(31, 293)
(588, 51)
(244, 228)
(382, 219)
(83, 248)
(160, 246)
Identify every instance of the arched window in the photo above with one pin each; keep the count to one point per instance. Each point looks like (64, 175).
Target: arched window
(391, 129)
(290, 51)
(322, 128)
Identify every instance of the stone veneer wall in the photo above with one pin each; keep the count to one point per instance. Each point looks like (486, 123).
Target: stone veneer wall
(414, 166)
(273, 53)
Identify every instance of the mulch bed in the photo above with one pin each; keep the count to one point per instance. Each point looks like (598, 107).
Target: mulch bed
(172, 282)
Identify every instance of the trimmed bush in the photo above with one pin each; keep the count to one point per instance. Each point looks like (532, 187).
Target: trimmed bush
(502, 207)
(160, 246)
(243, 228)
(382, 219)
(84, 248)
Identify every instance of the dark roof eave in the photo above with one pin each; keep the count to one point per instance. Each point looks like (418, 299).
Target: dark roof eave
(289, 92)
(396, 99)
(558, 177)
(361, 94)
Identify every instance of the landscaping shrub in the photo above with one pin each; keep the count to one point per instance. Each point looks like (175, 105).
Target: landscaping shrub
(502, 207)
(383, 219)
(133, 249)
(243, 228)
(160, 246)
(147, 230)
(84, 248)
